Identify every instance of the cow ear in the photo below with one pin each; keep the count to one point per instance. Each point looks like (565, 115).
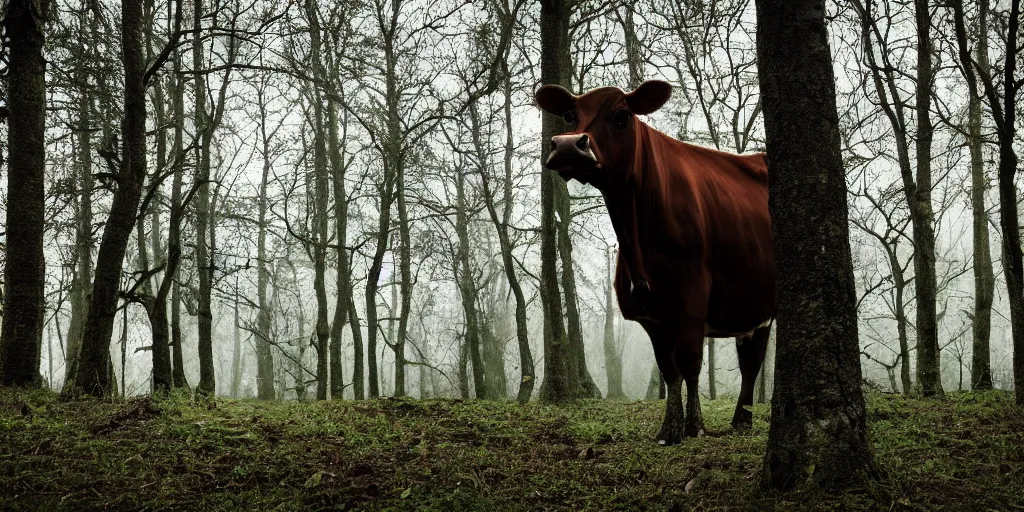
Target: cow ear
(555, 99)
(649, 97)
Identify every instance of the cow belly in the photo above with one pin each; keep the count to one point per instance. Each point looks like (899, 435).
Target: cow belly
(711, 331)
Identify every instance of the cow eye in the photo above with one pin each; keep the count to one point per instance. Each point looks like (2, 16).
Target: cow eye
(570, 117)
(621, 118)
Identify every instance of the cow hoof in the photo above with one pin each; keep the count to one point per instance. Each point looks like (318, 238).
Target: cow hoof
(742, 419)
(696, 430)
(671, 434)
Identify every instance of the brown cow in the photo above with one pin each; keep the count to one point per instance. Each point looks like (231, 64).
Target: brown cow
(694, 232)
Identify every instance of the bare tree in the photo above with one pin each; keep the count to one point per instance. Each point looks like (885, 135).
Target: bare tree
(917, 187)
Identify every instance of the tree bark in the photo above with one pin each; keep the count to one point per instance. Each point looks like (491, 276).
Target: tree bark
(467, 286)
(577, 351)
(25, 272)
(526, 367)
(818, 425)
(174, 230)
(321, 193)
(156, 303)
(984, 274)
(81, 288)
(94, 369)
(1013, 260)
(343, 280)
(236, 353)
(916, 189)
(204, 259)
(612, 355)
(358, 379)
(264, 357)
(560, 375)
(929, 376)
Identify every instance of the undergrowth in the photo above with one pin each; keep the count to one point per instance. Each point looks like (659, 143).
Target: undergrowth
(964, 452)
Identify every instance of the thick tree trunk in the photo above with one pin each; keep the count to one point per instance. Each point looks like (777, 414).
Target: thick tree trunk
(25, 272)
(94, 370)
(818, 425)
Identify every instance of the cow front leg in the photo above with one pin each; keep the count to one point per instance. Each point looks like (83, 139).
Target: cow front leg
(663, 341)
(689, 359)
(750, 352)
(673, 426)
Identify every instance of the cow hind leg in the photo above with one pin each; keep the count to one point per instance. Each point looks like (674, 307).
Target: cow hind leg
(750, 352)
(672, 427)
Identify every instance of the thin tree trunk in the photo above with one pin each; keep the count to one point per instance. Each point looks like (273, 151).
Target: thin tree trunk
(577, 350)
(1013, 261)
(204, 258)
(236, 353)
(527, 375)
(984, 274)
(81, 289)
(25, 272)
(712, 389)
(818, 426)
(343, 280)
(174, 230)
(405, 269)
(612, 360)
(320, 212)
(929, 376)
(467, 286)
(560, 378)
(94, 375)
(154, 303)
(264, 357)
(357, 350)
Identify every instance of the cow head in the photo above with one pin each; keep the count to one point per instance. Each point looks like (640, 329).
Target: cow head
(603, 124)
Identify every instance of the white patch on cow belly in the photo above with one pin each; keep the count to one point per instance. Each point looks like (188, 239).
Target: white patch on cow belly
(722, 333)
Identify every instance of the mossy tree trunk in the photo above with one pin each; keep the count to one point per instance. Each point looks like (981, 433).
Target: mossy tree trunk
(818, 425)
(25, 270)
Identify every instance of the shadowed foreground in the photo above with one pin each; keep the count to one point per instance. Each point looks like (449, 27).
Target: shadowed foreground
(961, 453)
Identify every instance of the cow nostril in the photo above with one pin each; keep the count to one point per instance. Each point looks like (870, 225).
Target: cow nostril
(583, 142)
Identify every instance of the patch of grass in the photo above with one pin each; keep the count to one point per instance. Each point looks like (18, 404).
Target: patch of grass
(964, 452)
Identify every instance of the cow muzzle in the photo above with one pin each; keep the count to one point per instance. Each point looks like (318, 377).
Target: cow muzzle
(570, 153)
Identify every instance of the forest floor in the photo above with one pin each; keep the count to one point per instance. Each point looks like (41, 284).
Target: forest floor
(964, 452)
